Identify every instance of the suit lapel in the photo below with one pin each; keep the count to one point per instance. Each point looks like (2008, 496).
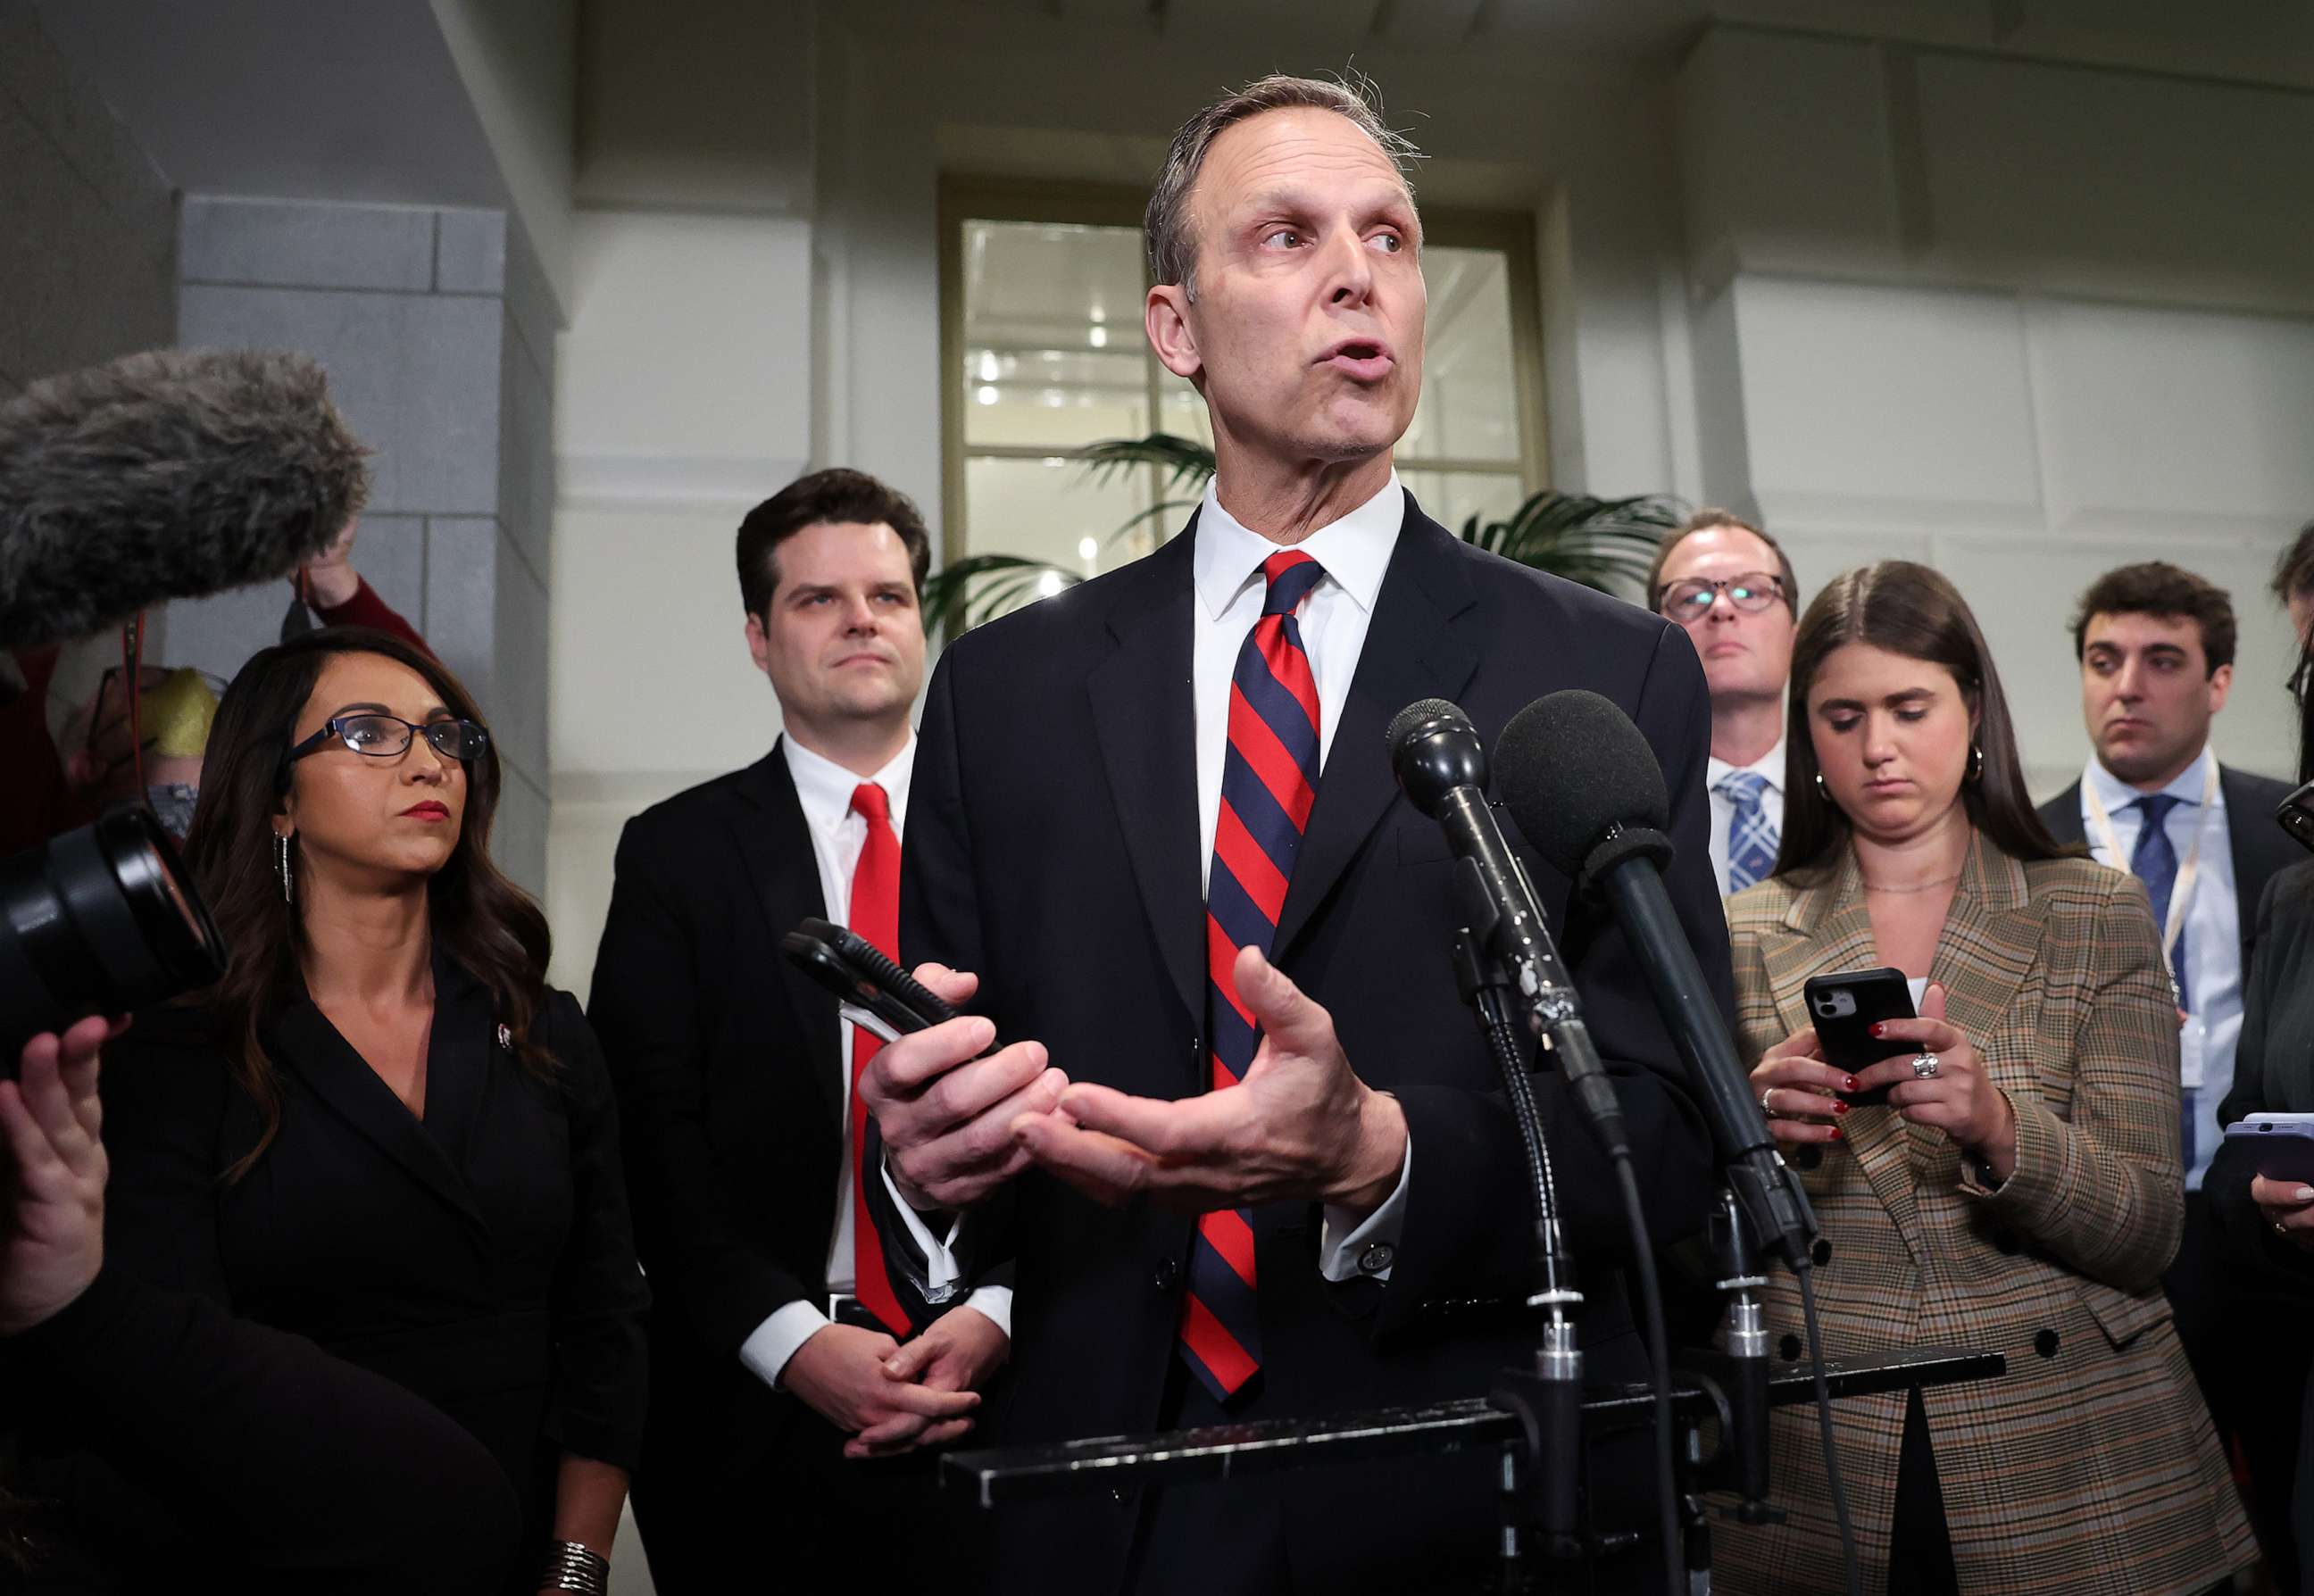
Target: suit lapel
(783, 872)
(1992, 937)
(1144, 718)
(2064, 816)
(459, 1061)
(1828, 929)
(1412, 651)
(302, 1036)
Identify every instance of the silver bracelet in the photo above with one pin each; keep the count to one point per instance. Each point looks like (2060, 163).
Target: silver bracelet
(572, 1565)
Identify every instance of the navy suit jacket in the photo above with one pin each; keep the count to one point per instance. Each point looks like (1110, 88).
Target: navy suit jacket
(1052, 846)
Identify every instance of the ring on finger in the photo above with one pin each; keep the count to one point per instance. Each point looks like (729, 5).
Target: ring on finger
(2279, 1228)
(1764, 1107)
(1926, 1065)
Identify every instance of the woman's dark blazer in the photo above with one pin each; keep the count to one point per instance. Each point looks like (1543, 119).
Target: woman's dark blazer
(2273, 1073)
(481, 1256)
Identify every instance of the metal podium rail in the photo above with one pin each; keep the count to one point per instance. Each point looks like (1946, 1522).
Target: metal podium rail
(999, 1475)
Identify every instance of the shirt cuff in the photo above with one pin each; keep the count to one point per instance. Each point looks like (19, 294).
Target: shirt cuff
(770, 1344)
(1369, 1250)
(940, 1268)
(995, 1302)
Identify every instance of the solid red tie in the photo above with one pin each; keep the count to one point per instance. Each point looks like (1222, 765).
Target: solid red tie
(875, 916)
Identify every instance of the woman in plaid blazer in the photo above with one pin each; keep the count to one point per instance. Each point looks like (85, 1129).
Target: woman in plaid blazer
(2020, 1191)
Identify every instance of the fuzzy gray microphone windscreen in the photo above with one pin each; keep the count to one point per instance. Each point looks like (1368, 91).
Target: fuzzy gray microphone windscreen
(174, 473)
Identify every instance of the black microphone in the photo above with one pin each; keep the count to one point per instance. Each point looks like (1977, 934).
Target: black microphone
(1436, 756)
(175, 473)
(1585, 789)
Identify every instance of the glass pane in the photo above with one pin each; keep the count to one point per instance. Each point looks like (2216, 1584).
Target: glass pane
(1451, 497)
(1047, 509)
(1469, 394)
(1046, 397)
(1053, 351)
(1181, 409)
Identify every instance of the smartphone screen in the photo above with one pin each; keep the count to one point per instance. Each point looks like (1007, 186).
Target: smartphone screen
(1845, 1008)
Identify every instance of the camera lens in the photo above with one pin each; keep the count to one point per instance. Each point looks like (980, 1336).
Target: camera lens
(100, 921)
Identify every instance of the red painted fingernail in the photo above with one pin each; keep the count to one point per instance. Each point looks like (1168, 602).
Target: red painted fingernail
(1851, 1087)
(1836, 1134)
(1838, 1106)
(1878, 1029)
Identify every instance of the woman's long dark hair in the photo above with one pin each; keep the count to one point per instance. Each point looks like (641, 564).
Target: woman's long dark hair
(1911, 610)
(479, 919)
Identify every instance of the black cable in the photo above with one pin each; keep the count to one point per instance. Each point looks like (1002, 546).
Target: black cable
(1659, 1354)
(1824, 1423)
(1542, 1191)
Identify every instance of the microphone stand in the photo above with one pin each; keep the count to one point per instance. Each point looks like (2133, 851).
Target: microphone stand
(1548, 1400)
(1736, 1378)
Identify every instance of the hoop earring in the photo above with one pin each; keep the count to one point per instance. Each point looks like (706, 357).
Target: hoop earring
(1976, 763)
(281, 867)
(1821, 791)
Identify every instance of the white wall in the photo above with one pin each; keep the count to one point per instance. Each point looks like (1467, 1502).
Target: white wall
(2022, 321)
(518, 62)
(88, 242)
(683, 401)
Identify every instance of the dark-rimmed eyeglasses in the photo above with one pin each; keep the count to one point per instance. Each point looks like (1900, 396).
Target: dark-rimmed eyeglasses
(1691, 597)
(384, 737)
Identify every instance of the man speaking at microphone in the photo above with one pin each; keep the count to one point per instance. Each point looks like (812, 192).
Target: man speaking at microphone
(1245, 1143)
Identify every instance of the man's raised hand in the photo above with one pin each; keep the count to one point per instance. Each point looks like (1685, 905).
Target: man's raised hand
(1299, 1125)
(944, 1113)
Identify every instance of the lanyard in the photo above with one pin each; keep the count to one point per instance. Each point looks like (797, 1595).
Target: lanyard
(2181, 894)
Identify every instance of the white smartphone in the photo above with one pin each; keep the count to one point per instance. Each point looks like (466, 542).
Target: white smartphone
(2285, 1144)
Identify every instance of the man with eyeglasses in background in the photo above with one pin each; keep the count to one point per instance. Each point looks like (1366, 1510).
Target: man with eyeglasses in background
(1730, 586)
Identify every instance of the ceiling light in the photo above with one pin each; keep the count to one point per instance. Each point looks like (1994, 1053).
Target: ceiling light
(987, 395)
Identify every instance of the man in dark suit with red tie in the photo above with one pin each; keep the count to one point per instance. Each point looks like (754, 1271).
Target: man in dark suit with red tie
(775, 1324)
(1244, 1142)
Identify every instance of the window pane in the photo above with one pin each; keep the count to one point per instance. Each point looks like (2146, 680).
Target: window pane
(1052, 334)
(1045, 509)
(1470, 391)
(1451, 497)
(1182, 410)
(1048, 397)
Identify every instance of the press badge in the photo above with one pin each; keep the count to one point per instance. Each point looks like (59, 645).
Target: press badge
(2193, 1048)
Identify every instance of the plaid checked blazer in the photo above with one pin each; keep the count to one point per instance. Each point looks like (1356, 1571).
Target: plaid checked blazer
(2092, 1465)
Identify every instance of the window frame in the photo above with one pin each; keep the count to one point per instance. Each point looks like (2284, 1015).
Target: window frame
(1069, 203)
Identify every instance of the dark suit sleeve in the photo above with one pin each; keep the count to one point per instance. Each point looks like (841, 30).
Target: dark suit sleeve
(2286, 964)
(595, 1410)
(304, 1464)
(645, 1005)
(940, 919)
(1467, 1180)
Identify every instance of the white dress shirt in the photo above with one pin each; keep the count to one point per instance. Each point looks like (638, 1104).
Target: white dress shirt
(1226, 571)
(2212, 969)
(839, 836)
(1771, 765)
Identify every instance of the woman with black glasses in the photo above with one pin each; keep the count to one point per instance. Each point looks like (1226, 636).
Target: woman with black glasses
(382, 1130)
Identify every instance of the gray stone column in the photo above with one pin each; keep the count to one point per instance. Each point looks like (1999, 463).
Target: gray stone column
(437, 328)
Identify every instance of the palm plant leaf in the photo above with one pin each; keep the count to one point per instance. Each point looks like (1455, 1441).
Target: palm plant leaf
(963, 594)
(1606, 544)
(1183, 460)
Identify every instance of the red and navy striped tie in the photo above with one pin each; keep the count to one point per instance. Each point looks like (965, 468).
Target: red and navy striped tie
(1270, 780)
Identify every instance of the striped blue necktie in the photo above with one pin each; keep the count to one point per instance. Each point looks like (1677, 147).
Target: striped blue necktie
(1752, 837)
(2154, 861)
